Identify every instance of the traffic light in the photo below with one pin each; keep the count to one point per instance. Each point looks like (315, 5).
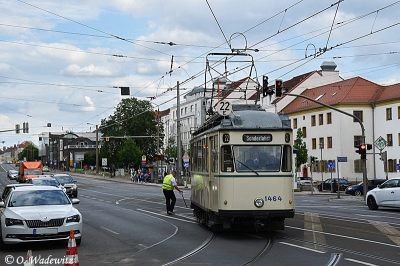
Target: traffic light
(313, 160)
(363, 151)
(25, 127)
(265, 86)
(278, 87)
(17, 128)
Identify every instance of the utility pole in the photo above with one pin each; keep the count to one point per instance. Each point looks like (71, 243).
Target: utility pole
(97, 149)
(178, 132)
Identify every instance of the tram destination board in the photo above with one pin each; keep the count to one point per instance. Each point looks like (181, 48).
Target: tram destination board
(257, 137)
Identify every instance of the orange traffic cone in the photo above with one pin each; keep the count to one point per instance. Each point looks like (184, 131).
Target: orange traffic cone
(71, 259)
(28, 259)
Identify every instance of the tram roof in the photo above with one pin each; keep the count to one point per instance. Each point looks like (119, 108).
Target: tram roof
(245, 119)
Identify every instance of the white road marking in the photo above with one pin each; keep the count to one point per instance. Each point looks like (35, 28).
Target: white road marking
(389, 231)
(297, 246)
(109, 230)
(313, 223)
(361, 262)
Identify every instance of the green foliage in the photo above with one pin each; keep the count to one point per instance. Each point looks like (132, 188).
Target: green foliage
(130, 154)
(132, 117)
(172, 149)
(30, 152)
(300, 145)
(89, 159)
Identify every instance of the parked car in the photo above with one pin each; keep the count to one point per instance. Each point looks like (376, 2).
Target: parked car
(46, 180)
(12, 174)
(326, 185)
(38, 213)
(45, 168)
(358, 190)
(7, 189)
(68, 182)
(385, 195)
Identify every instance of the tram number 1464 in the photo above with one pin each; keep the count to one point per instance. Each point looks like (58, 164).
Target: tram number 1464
(273, 198)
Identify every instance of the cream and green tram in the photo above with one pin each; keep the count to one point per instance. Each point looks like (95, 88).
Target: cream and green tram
(230, 188)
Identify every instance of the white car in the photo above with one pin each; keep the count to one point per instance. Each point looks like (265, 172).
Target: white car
(385, 195)
(38, 213)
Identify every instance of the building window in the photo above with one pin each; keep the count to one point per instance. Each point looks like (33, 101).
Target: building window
(304, 117)
(329, 118)
(191, 108)
(388, 113)
(321, 143)
(389, 139)
(358, 114)
(398, 112)
(295, 123)
(357, 141)
(314, 143)
(329, 142)
(304, 131)
(391, 165)
(313, 120)
(320, 119)
(398, 141)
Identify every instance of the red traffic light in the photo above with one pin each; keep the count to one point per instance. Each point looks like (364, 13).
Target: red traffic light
(363, 147)
(278, 83)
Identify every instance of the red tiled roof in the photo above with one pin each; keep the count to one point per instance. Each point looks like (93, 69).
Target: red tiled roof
(351, 91)
(389, 93)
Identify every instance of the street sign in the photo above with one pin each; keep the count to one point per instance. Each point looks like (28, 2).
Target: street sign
(342, 159)
(380, 143)
(185, 157)
(224, 108)
(398, 167)
(331, 165)
(103, 161)
(143, 160)
(186, 164)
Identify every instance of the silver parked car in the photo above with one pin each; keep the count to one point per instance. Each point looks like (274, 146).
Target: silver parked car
(38, 213)
(385, 195)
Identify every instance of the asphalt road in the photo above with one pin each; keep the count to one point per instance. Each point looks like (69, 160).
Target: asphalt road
(125, 224)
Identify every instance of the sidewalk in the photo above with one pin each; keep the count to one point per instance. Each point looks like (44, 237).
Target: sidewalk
(120, 179)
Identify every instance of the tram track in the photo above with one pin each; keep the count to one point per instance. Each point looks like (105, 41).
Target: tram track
(264, 250)
(335, 257)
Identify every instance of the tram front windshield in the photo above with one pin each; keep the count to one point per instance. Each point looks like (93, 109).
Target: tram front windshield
(257, 158)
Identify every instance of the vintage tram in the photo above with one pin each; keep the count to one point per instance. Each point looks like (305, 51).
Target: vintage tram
(230, 188)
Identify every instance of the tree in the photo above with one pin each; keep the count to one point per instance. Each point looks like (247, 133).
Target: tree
(132, 117)
(30, 152)
(89, 158)
(302, 153)
(130, 155)
(172, 149)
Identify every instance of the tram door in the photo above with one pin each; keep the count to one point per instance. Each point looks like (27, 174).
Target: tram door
(213, 170)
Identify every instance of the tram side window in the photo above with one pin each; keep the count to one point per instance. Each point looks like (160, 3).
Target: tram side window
(205, 156)
(287, 159)
(214, 154)
(226, 159)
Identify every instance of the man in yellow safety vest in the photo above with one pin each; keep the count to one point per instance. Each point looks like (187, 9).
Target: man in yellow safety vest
(168, 189)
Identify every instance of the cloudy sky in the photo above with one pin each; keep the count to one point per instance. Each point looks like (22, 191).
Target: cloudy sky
(62, 62)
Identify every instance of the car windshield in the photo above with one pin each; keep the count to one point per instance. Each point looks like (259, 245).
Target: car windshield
(37, 197)
(45, 182)
(65, 179)
(32, 172)
(13, 172)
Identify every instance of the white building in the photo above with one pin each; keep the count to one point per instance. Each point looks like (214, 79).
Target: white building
(330, 134)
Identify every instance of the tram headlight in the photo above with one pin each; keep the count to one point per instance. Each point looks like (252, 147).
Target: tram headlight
(258, 202)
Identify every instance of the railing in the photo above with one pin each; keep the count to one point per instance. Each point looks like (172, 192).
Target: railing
(80, 147)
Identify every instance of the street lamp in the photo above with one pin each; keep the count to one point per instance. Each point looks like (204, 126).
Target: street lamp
(97, 147)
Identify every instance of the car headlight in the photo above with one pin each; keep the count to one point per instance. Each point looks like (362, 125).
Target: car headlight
(75, 218)
(349, 188)
(258, 202)
(11, 222)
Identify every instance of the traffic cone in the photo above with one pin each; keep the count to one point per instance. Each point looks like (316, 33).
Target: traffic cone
(71, 259)
(28, 260)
